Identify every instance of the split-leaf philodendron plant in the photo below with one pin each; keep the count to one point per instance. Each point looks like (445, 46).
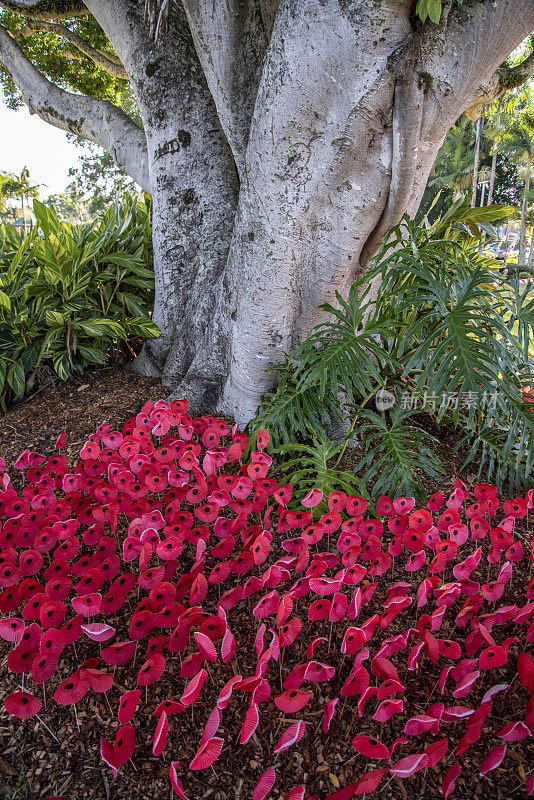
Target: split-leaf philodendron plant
(448, 335)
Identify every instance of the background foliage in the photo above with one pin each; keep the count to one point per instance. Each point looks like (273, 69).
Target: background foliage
(70, 296)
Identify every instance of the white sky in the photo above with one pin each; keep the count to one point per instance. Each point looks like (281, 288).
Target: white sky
(28, 141)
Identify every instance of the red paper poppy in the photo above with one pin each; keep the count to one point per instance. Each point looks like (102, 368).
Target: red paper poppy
(170, 707)
(11, 630)
(356, 683)
(291, 701)
(493, 657)
(152, 670)
(207, 754)
(52, 613)
(119, 653)
(317, 672)
(370, 747)
(72, 690)
(22, 705)
(30, 562)
(353, 640)
(192, 690)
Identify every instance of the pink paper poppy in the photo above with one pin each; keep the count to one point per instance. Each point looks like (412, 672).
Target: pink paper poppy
(152, 670)
(89, 605)
(264, 784)
(207, 754)
(192, 690)
(387, 709)
(291, 736)
(22, 705)
(72, 690)
(292, 701)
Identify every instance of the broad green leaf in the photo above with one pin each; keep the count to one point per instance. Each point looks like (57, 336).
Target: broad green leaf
(101, 327)
(61, 364)
(16, 378)
(143, 326)
(5, 302)
(434, 10)
(55, 318)
(92, 355)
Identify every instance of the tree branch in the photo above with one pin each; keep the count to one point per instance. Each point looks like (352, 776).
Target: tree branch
(462, 65)
(88, 117)
(40, 9)
(231, 39)
(116, 70)
(407, 120)
(501, 81)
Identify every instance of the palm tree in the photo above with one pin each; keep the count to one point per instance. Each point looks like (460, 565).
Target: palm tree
(455, 161)
(476, 161)
(20, 187)
(498, 122)
(3, 178)
(519, 145)
(495, 131)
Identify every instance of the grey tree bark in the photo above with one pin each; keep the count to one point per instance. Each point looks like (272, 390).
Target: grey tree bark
(282, 139)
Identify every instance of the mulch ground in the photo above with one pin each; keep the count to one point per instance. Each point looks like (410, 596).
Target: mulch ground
(57, 755)
(110, 394)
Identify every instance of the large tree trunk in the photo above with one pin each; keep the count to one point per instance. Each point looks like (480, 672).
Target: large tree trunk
(330, 165)
(194, 187)
(282, 140)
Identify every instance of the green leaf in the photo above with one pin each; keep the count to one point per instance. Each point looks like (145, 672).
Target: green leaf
(61, 364)
(142, 326)
(434, 10)
(141, 283)
(16, 378)
(310, 469)
(54, 318)
(395, 454)
(125, 260)
(132, 304)
(92, 355)
(5, 302)
(430, 9)
(47, 218)
(100, 327)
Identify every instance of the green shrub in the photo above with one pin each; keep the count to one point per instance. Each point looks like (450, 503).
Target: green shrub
(447, 336)
(70, 296)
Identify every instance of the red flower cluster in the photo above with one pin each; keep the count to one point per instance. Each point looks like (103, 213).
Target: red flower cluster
(190, 516)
